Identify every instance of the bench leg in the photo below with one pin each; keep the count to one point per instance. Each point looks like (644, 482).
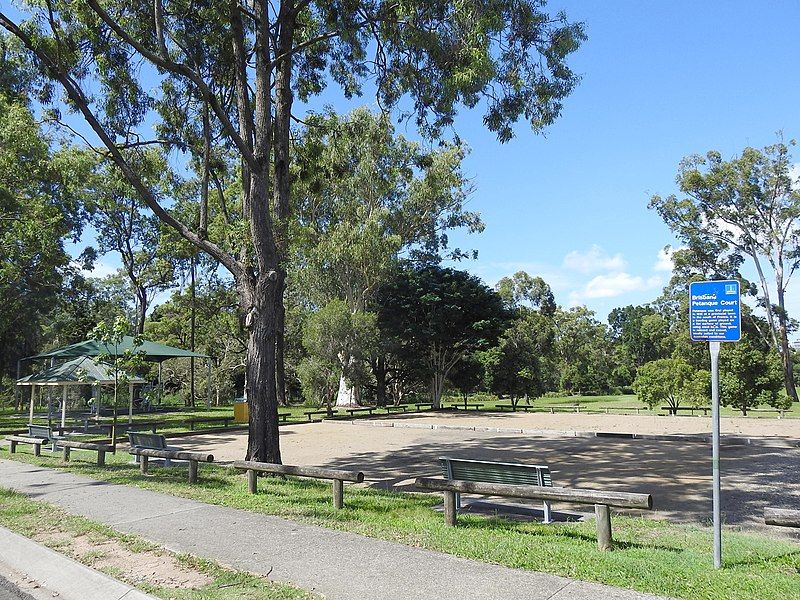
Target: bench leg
(192, 471)
(37, 449)
(143, 464)
(252, 481)
(101, 458)
(548, 512)
(12, 447)
(450, 508)
(603, 516)
(66, 454)
(338, 494)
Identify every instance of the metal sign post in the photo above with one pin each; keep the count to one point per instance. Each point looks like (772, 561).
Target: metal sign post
(714, 317)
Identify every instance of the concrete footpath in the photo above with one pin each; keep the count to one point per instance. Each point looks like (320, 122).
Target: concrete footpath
(33, 571)
(333, 563)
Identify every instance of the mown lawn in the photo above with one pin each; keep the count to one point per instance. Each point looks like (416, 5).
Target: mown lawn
(57, 529)
(650, 555)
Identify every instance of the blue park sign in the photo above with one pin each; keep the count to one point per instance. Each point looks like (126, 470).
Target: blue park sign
(715, 313)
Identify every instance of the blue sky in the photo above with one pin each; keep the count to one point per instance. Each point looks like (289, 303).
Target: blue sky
(661, 80)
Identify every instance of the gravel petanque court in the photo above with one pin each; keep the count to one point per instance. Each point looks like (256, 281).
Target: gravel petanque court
(392, 452)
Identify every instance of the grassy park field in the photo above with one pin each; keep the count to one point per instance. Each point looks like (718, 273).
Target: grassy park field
(650, 555)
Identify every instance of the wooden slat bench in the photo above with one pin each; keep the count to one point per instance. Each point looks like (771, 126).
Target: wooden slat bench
(419, 405)
(194, 421)
(780, 411)
(101, 449)
(674, 410)
(36, 442)
(602, 500)
(497, 472)
(150, 441)
(561, 408)
(395, 408)
(466, 405)
(338, 476)
(284, 415)
(512, 407)
(783, 517)
(311, 413)
(144, 454)
(360, 409)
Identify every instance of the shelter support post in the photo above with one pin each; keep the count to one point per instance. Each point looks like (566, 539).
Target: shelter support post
(130, 402)
(64, 407)
(33, 397)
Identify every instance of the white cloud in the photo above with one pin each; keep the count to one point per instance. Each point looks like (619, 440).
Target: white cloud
(593, 260)
(101, 269)
(615, 284)
(664, 259)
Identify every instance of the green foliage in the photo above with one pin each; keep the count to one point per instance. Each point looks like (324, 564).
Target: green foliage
(437, 316)
(669, 381)
(338, 341)
(749, 378)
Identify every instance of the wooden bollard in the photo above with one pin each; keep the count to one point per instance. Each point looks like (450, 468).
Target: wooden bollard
(450, 508)
(66, 454)
(37, 449)
(12, 447)
(143, 464)
(603, 516)
(101, 458)
(338, 494)
(192, 471)
(252, 481)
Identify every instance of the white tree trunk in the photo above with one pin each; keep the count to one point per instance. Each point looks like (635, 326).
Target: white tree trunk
(346, 395)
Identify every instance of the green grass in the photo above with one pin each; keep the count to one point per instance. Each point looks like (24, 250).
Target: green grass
(651, 555)
(30, 518)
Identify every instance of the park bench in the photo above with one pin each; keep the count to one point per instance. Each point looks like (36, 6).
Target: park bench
(781, 411)
(367, 409)
(311, 413)
(284, 415)
(562, 408)
(396, 408)
(673, 410)
(101, 449)
(149, 441)
(419, 405)
(782, 517)
(467, 405)
(497, 472)
(338, 476)
(143, 456)
(626, 409)
(48, 434)
(513, 408)
(194, 421)
(602, 500)
(13, 440)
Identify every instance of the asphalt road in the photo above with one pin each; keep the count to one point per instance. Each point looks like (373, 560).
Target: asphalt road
(9, 591)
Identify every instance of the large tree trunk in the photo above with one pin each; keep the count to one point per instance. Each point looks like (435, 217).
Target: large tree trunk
(346, 396)
(263, 440)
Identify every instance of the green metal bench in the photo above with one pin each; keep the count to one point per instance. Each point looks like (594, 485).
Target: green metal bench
(497, 472)
(151, 441)
(43, 432)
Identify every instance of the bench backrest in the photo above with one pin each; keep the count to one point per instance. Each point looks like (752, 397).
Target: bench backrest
(147, 440)
(495, 472)
(40, 431)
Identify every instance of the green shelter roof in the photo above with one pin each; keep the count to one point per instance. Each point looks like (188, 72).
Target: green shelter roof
(79, 371)
(152, 351)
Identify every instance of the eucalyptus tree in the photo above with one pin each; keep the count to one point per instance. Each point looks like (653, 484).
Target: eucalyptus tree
(239, 67)
(364, 197)
(746, 207)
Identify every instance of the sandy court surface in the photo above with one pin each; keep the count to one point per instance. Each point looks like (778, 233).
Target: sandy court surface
(676, 473)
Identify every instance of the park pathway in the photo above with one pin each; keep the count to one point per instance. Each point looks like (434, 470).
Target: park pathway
(337, 564)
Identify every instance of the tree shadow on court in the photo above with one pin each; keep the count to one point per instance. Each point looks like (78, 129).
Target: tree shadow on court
(677, 474)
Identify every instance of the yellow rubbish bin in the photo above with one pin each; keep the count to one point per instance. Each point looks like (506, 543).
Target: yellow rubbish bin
(241, 411)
